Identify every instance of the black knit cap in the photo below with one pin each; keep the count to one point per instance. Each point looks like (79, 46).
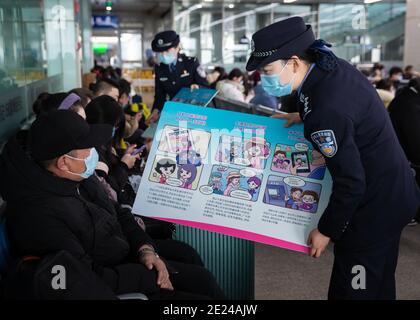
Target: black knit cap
(59, 132)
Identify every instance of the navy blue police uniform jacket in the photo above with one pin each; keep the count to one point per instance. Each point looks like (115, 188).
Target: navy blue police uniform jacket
(167, 83)
(374, 193)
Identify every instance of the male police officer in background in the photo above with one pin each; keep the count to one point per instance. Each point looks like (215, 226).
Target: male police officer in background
(174, 70)
(374, 193)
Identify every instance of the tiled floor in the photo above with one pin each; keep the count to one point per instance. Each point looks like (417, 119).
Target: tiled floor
(283, 274)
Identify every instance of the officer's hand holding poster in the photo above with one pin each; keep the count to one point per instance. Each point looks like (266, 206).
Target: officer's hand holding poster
(238, 174)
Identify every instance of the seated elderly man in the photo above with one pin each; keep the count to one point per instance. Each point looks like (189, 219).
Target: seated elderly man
(55, 202)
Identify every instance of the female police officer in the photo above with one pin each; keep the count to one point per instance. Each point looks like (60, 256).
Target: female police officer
(174, 70)
(374, 194)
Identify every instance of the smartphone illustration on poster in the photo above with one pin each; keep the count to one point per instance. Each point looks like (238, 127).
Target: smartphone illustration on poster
(179, 140)
(301, 161)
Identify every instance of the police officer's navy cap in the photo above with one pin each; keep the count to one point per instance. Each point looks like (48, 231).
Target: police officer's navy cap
(165, 40)
(279, 40)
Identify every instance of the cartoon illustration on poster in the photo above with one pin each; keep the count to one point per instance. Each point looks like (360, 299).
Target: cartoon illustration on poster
(179, 140)
(231, 182)
(182, 171)
(251, 152)
(180, 162)
(292, 193)
(298, 160)
(175, 140)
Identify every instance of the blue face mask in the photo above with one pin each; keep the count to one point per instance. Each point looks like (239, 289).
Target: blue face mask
(167, 58)
(90, 163)
(273, 87)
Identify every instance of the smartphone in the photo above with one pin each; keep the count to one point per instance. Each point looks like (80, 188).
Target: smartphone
(138, 150)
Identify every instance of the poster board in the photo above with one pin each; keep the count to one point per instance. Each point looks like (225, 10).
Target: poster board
(238, 174)
(197, 97)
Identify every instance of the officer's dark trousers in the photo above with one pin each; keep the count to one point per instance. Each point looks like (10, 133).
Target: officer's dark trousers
(379, 261)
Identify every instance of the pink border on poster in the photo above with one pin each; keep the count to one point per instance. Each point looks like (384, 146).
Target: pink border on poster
(240, 234)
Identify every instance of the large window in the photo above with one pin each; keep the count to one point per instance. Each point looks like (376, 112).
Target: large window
(364, 33)
(22, 44)
(219, 33)
(131, 49)
(38, 46)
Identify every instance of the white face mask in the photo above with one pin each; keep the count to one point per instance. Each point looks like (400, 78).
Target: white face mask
(167, 58)
(272, 85)
(90, 163)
